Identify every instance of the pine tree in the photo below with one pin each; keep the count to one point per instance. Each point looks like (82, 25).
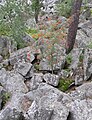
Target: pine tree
(72, 31)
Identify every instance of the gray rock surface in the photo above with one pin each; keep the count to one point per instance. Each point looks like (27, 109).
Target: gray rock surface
(50, 98)
(81, 105)
(27, 38)
(10, 114)
(1, 58)
(20, 55)
(81, 110)
(82, 92)
(20, 102)
(34, 82)
(75, 54)
(51, 79)
(63, 74)
(78, 80)
(12, 82)
(36, 113)
(6, 46)
(1, 89)
(86, 27)
(82, 39)
(34, 96)
(23, 68)
(46, 66)
(87, 64)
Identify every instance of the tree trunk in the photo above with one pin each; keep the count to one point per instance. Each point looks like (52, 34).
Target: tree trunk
(36, 18)
(72, 31)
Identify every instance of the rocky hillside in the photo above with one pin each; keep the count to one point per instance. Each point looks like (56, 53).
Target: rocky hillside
(37, 86)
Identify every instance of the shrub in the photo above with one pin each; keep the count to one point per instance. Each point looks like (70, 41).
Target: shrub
(69, 59)
(90, 45)
(5, 98)
(64, 8)
(64, 84)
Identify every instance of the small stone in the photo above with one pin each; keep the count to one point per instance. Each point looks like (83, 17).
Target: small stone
(51, 79)
(24, 68)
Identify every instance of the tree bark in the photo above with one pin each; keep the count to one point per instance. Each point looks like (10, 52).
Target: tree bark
(72, 31)
(36, 18)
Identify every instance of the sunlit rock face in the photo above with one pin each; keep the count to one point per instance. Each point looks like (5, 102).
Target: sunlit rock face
(49, 5)
(2, 2)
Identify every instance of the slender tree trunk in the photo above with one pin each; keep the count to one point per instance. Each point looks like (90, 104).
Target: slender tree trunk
(36, 16)
(72, 31)
(37, 9)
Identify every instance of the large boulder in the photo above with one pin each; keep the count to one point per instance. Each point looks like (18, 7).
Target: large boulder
(50, 98)
(81, 105)
(36, 113)
(82, 92)
(21, 55)
(81, 110)
(86, 28)
(19, 102)
(23, 68)
(82, 39)
(84, 33)
(10, 114)
(12, 82)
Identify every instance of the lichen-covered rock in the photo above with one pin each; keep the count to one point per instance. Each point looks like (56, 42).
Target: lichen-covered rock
(51, 79)
(23, 68)
(51, 98)
(20, 102)
(20, 55)
(63, 74)
(1, 58)
(10, 114)
(82, 92)
(87, 64)
(82, 40)
(45, 65)
(7, 46)
(81, 110)
(78, 80)
(12, 82)
(34, 82)
(38, 113)
(75, 54)
(1, 89)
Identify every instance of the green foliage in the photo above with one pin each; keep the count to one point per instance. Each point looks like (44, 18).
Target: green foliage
(36, 66)
(64, 84)
(69, 59)
(90, 45)
(13, 15)
(5, 98)
(36, 7)
(81, 57)
(64, 8)
(32, 31)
